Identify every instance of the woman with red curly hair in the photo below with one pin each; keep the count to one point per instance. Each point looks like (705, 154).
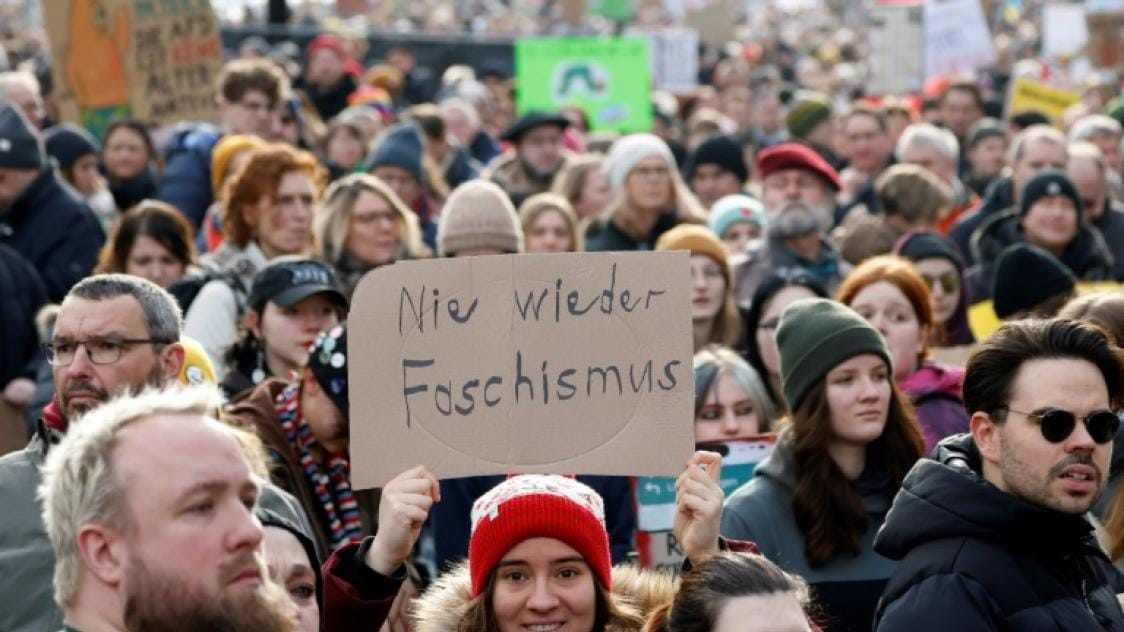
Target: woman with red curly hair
(267, 211)
(893, 296)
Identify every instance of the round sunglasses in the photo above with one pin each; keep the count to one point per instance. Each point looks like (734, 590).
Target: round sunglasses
(1057, 424)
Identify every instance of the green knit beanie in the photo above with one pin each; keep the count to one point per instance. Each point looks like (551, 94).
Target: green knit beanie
(814, 336)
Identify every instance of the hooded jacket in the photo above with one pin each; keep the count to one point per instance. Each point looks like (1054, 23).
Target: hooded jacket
(847, 587)
(51, 226)
(976, 558)
(186, 181)
(1087, 255)
(1000, 195)
(936, 392)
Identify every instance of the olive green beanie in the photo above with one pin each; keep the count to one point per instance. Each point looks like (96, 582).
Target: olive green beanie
(814, 336)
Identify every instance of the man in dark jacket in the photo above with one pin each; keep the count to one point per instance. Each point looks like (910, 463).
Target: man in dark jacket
(991, 531)
(20, 359)
(327, 81)
(249, 92)
(1088, 170)
(1035, 149)
(115, 334)
(41, 218)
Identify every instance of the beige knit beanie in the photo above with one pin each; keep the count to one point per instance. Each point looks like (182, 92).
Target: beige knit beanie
(478, 214)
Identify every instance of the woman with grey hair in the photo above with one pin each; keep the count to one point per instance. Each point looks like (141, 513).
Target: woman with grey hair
(731, 401)
(364, 225)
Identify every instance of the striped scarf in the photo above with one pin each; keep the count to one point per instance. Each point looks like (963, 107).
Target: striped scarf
(331, 482)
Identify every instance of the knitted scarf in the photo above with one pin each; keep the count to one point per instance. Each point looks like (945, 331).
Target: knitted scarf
(331, 481)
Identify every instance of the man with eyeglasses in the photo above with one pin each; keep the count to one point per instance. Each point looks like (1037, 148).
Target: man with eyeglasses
(114, 335)
(249, 92)
(991, 530)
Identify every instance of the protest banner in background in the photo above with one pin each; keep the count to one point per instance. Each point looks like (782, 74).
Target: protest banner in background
(957, 38)
(655, 500)
(673, 58)
(1026, 95)
(568, 364)
(1106, 37)
(713, 22)
(607, 77)
(1064, 32)
(896, 57)
(154, 61)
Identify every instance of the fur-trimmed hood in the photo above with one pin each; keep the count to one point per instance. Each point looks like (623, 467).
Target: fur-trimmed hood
(441, 608)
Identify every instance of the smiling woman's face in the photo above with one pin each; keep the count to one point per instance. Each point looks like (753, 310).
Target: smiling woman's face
(544, 584)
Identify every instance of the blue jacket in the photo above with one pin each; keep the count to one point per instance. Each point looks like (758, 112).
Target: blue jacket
(52, 227)
(186, 183)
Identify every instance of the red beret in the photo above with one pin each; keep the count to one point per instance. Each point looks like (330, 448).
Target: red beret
(332, 43)
(796, 156)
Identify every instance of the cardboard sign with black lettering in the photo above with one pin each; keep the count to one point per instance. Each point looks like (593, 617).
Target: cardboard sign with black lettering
(566, 364)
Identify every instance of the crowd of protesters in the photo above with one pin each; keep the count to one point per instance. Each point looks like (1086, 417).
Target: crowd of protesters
(915, 296)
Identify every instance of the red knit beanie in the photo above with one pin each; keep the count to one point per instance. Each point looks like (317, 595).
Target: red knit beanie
(537, 506)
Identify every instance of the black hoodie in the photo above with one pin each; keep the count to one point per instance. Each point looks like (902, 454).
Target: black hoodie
(976, 558)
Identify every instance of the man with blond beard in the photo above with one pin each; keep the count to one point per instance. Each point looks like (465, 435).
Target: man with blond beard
(148, 504)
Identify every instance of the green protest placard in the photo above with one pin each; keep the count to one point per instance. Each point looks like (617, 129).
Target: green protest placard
(607, 77)
(619, 10)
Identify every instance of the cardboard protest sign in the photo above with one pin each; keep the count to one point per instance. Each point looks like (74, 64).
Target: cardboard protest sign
(957, 38)
(154, 61)
(673, 59)
(1026, 94)
(1106, 37)
(569, 364)
(714, 23)
(655, 500)
(607, 77)
(896, 58)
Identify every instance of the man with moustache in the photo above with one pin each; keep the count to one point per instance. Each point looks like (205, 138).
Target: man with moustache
(990, 530)
(115, 335)
(798, 191)
(304, 425)
(149, 504)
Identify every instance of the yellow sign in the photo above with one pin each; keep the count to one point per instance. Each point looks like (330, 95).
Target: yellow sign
(1027, 95)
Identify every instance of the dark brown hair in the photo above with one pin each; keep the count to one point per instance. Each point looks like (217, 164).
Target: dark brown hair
(705, 590)
(996, 360)
(964, 86)
(829, 512)
(137, 128)
(259, 178)
(242, 75)
(151, 218)
(875, 112)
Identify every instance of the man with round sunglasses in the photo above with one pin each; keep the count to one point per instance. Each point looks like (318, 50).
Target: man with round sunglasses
(991, 531)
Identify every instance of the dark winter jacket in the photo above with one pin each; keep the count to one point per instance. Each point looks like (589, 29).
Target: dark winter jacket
(329, 102)
(604, 236)
(27, 561)
(127, 193)
(976, 558)
(24, 294)
(186, 183)
(52, 227)
(765, 256)
(1000, 196)
(847, 587)
(484, 148)
(356, 597)
(452, 524)
(459, 167)
(1087, 256)
(1111, 225)
(936, 393)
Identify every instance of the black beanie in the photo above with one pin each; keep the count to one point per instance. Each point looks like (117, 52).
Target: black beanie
(1045, 183)
(1025, 276)
(719, 150)
(21, 146)
(270, 518)
(67, 142)
(928, 245)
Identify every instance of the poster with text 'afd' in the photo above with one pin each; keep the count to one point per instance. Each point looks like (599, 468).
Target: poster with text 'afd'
(607, 77)
(564, 364)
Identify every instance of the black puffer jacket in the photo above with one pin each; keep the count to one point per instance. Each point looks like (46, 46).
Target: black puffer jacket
(23, 294)
(1087, 256)
(975, 558)
(54, 229)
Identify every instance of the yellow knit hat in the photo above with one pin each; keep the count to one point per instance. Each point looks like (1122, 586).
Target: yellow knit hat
(225, 150)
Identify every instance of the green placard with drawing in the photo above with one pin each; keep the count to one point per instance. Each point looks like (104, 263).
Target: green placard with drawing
(608, 77)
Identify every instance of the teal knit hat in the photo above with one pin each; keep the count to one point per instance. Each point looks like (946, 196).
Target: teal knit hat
(814, 336)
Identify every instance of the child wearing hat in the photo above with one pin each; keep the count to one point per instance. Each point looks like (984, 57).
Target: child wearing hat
(816, 502)
(737, 220)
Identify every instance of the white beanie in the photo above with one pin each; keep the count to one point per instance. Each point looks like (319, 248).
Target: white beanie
(631, 149)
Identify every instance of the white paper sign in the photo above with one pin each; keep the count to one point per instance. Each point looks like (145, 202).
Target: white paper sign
(675, 60)
(897, 59)
(1064, 30)
(957, 39)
